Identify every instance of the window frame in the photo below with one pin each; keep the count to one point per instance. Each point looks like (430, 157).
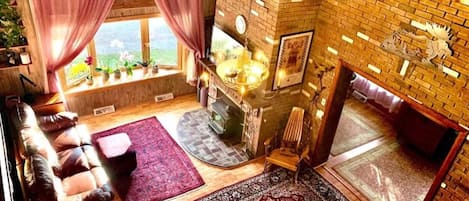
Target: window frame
(145, 45)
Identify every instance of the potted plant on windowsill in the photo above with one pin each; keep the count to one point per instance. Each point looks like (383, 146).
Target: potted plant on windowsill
(154, 67)
(126, 60)
(117, 72)
(105, 70)
(89, 78)
(145, 65)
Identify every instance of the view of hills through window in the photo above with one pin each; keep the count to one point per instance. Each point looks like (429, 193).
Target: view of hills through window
(116, 38)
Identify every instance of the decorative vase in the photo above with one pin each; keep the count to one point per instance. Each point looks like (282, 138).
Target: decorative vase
(145, 69)
(154, 69)
(89, 81)
(117, 74)
(105, 76)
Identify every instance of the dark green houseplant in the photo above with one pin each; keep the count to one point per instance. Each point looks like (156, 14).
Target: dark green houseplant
(11, 28)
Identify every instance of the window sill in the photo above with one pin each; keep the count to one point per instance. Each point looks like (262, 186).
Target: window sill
(137, 76)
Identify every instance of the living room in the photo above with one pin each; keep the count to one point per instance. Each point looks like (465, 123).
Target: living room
(138, 60)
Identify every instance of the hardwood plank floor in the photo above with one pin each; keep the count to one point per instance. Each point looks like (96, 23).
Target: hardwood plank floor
(215, 178)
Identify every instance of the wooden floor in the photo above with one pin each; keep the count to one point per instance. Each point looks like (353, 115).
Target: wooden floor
(377, 121)
(215, 178)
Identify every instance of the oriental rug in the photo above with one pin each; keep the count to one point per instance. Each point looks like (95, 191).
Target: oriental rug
(390, 172)
(163, 169)
(198, 139)
(279, 185)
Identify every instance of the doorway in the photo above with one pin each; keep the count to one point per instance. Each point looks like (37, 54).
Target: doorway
(393, 149)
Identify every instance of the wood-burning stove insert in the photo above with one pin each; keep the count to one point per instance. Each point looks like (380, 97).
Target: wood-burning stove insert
(226, 119)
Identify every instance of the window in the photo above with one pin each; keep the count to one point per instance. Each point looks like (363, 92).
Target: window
(163, 44)
(115, 38)
(77, 71)
(126, 36)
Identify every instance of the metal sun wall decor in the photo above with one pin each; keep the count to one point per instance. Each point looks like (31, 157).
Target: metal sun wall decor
(437, 46)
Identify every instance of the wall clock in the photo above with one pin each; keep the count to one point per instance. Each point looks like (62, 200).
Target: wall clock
(240, 24)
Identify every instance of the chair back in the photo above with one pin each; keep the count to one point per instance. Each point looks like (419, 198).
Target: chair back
(293, 130)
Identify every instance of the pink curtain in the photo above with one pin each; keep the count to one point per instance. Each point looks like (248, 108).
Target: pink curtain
(186, 20)
(65, 28)
(377, 94)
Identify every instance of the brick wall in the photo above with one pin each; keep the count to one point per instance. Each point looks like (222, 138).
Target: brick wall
(378, 19)
(457, 180)
(265, 26)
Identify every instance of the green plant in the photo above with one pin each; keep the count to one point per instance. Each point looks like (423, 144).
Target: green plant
(129, 68)
(105, 69)
(11, 30)
(150, 63)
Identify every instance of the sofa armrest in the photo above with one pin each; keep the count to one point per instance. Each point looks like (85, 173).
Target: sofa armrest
(59, 121)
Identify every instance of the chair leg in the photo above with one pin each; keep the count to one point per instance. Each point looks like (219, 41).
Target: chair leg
(297, 172)
(296, 176)
(266, 166)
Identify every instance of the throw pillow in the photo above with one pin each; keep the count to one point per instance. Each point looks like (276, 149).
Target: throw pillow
(39, 179)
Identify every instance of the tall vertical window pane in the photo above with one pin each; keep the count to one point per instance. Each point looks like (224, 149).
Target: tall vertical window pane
(77, 71)
(163, 44)
(115, 38)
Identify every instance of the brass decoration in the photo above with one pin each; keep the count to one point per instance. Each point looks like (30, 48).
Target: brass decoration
(437, 45)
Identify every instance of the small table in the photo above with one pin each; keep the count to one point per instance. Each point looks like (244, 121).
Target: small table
(116, 154)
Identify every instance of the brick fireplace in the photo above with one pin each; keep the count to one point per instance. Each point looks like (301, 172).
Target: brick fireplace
(341, 28)
(267, 21)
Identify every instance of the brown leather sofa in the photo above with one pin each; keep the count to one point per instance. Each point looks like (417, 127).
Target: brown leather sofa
(59, 161)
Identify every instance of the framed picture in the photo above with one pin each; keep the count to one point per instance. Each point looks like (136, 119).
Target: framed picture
(292, 58)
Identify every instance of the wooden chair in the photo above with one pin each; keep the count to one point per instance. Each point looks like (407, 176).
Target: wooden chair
(290, 153)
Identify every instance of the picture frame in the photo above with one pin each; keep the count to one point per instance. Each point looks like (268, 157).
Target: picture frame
(292, 58)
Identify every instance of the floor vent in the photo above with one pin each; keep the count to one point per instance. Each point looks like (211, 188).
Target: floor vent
(164, 97)
(361, 97)
(104, 110)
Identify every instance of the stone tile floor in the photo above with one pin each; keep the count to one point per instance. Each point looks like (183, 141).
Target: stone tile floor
(197, 138)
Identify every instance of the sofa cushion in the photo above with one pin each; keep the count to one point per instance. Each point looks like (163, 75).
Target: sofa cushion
(59, 121)
(34, 142)
(72, 161)
(100, 176)
(39, 179)
(78, 183)
(91, 155)
(65, 139)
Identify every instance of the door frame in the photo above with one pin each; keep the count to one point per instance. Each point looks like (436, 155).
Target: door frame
(333, 110)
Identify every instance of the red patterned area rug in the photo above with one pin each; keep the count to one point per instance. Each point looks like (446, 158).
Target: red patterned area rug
(279, 185)
(390, 172)
(352, 131)
(163, 169)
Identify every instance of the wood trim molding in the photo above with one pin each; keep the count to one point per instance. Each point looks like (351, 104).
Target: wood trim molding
(445, 167)
(145, 36)
(332, 114)
(132, 17)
